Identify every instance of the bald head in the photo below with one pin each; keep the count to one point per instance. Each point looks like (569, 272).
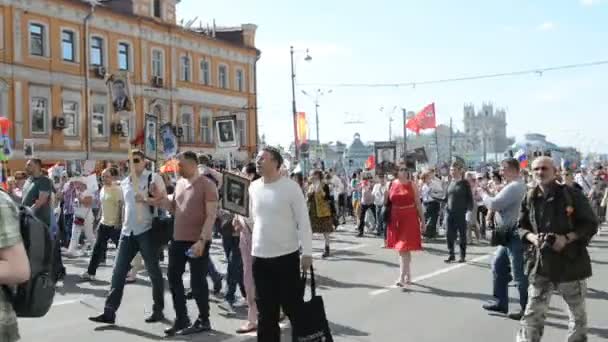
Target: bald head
(544, 170)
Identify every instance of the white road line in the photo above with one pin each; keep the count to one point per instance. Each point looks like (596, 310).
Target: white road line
(432, 275)
(67, 301)
(350, 248)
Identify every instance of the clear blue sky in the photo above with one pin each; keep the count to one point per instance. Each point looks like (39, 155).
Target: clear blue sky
(403, 40)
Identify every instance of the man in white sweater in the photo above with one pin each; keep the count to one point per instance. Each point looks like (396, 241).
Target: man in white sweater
(281, 228)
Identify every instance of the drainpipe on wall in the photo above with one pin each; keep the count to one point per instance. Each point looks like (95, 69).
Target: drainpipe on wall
(87, 106)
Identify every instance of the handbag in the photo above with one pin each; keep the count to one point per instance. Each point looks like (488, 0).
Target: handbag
(311, 324)
(386, 209)
(501, 235)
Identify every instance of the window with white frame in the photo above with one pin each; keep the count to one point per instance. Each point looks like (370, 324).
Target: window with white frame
(186, 124)
(68, 48)
(206, 126)
(156, 8)
(205, 72)
(70, 113)
(37, 39)
(185, 64)
(98, 120)
(157, 63)
(97, 51)
(222, 77)
(39, 110)
(240, 80)
(123, 56)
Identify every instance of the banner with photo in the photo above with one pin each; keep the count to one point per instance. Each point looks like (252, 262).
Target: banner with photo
(386, 157)
(120, 93)
(225, 127)
(150, 137)
(169, 140)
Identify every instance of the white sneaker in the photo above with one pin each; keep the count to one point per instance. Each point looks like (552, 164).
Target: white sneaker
(87, 277)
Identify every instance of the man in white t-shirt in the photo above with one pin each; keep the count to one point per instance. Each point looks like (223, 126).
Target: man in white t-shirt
(281, 228)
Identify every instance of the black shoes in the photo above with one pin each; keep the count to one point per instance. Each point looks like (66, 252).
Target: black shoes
(155, 317)
(217, 286)
(199, 326)
(516, 316)
(104, 318)
(450, 259)
(326, 253)
(493, 307)
(360, 235)
(177, 327)
(462, 260)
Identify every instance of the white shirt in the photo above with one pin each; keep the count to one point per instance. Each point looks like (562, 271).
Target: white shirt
(337, 186)
(432, 191)
(132, 224)
(379, 191)
(280, 216)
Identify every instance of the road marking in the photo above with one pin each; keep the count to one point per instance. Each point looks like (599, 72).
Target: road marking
(67, 301)
(432, 275)
(350, 248)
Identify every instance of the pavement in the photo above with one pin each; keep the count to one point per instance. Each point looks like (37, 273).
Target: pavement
(444, 303)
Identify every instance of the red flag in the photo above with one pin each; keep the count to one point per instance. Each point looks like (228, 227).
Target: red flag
(302, 128)
(370, 164)
(139, 139)
(412, 125)
(426, 117)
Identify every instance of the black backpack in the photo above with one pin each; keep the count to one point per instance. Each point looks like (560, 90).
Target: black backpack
(34, 297)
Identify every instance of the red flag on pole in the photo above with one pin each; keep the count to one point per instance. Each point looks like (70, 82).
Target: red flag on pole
(426, 117)
(412, 125)
(370, 163)
(302, 128)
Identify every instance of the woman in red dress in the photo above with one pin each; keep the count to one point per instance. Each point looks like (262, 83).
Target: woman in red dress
(406, 223)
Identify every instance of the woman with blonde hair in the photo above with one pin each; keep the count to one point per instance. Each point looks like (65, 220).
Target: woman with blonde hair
(406, 221)
(319, 208)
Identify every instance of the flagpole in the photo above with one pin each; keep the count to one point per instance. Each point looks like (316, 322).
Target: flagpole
(449, 161)
(404, 133)
(437, 145)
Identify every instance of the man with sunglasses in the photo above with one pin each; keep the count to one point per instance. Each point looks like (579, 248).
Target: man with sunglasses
(136, 236)
(556, 224)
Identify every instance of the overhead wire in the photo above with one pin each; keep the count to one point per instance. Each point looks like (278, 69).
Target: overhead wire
(537, 71)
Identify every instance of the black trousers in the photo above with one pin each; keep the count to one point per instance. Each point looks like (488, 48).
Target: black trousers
(364, 209)
(104, 233)
(457, 225)
(198, 280)
(278, 285)
(431, 216)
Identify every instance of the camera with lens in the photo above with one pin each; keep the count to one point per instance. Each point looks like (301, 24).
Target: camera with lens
(547, 240)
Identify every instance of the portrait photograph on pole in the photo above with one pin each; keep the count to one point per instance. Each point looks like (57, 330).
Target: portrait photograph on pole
(151, 134)
(118, 86)
(386, 156)
(235, 197)
(225, 127)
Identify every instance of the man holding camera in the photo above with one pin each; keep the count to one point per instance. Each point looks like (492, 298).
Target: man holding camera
(556, 224)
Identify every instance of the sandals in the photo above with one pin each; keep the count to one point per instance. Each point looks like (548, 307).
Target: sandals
(247, 328)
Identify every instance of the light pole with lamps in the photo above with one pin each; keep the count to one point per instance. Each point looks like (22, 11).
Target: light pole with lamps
(308, 58)
(315, 99)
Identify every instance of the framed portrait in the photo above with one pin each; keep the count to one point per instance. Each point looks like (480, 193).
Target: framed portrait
(169, 140)
(151, 137)
(386, 157)
(225, 128)
(120, 94)
(28, 148)
(235, 194)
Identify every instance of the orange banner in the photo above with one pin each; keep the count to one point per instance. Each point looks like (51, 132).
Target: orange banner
(302, 125)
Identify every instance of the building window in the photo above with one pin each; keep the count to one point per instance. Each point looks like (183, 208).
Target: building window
(205, 72)
(223, 77)
(156, 8)
(98, 122)
(157, 63)
(206, 127)
(240, 80)
(36, 39)
(240, 131)
(185, 62)
(67, 45)
(39, 114)
(123, 56)
(187, 128)
(70, 113)
(96, 51)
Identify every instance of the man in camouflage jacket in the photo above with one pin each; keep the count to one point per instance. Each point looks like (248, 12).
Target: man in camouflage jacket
(556, 223)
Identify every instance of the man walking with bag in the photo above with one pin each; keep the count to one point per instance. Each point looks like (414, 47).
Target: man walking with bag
(281, 227)
(556, 223)
(510, 255)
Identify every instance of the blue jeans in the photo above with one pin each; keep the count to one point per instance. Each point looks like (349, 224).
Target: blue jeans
(127, 249)
(234, 275)
(509, 259)
(380, 224)
(457, 225)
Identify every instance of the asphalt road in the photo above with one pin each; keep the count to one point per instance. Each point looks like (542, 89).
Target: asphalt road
(444, 304)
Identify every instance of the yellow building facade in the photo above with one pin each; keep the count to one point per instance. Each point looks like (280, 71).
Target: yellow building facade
(184, 76)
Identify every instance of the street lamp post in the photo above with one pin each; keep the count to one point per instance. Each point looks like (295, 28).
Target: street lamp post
(316, 98)
(293, 101)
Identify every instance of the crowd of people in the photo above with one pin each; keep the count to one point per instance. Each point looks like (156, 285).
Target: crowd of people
(541, 222)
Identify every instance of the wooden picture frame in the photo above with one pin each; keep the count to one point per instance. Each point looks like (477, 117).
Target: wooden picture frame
(235, 194)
